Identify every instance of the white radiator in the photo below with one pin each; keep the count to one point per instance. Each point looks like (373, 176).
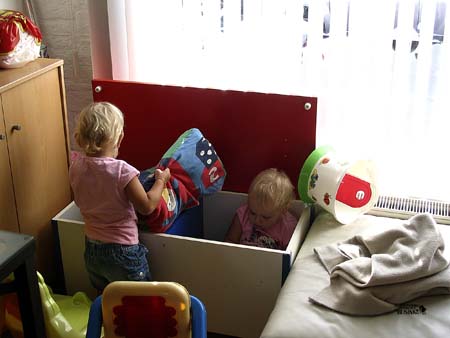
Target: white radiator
(405, 207)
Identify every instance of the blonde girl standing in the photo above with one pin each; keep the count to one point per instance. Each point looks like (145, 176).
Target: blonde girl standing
(108, 192)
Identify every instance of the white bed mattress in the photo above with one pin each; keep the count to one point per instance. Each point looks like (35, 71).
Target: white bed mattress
(294, 316)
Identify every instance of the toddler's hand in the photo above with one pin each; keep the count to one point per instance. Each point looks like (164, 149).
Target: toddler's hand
(162, 175)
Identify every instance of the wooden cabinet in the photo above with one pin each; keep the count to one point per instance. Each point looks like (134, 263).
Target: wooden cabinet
(34, 154)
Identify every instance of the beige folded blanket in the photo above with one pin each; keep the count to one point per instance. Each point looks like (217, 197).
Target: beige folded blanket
(374, 274)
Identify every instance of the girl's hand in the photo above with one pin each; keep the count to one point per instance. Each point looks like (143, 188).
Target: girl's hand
(146, 202)
(162, 175)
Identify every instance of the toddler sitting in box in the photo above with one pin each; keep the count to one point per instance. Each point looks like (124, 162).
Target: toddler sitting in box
(264, 221)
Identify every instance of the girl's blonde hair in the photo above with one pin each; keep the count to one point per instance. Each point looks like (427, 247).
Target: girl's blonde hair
(98, 124)
(272, 188)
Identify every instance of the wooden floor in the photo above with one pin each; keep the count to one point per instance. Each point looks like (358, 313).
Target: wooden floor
(217, 335)
(6, 334)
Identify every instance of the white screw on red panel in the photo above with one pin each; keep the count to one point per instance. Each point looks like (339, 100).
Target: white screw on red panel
(308, 106)
(98, 89)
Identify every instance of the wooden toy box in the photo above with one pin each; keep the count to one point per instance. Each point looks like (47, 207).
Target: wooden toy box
(238, 284)
(250, 132)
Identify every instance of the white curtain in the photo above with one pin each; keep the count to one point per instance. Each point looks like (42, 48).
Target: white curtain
(380, 69)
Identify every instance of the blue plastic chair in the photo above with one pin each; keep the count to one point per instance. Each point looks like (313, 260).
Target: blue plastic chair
(98, 320)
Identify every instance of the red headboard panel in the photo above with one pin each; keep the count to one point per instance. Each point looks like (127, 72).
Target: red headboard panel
(250, 131)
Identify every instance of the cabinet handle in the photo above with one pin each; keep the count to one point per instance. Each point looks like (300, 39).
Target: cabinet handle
(16, 127)
(2, 137)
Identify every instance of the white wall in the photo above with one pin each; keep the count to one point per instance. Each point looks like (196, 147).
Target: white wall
(65, 29)
(100, 41)
(11, 4)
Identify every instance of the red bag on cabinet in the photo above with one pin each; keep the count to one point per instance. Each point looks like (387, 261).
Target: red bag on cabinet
(20, 39)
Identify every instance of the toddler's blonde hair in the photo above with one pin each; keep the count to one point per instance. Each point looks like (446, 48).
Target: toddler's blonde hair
(98, 124)
(272, 188)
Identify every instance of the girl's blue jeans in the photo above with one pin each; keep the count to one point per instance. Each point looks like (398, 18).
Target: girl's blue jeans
(108, 262)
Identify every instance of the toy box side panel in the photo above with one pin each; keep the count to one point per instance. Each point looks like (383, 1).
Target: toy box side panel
(71, 239)
(299, 234)
(238, 284)
(218, 213)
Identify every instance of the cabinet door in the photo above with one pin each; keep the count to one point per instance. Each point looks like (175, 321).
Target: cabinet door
(8, 216)
(35, 124)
